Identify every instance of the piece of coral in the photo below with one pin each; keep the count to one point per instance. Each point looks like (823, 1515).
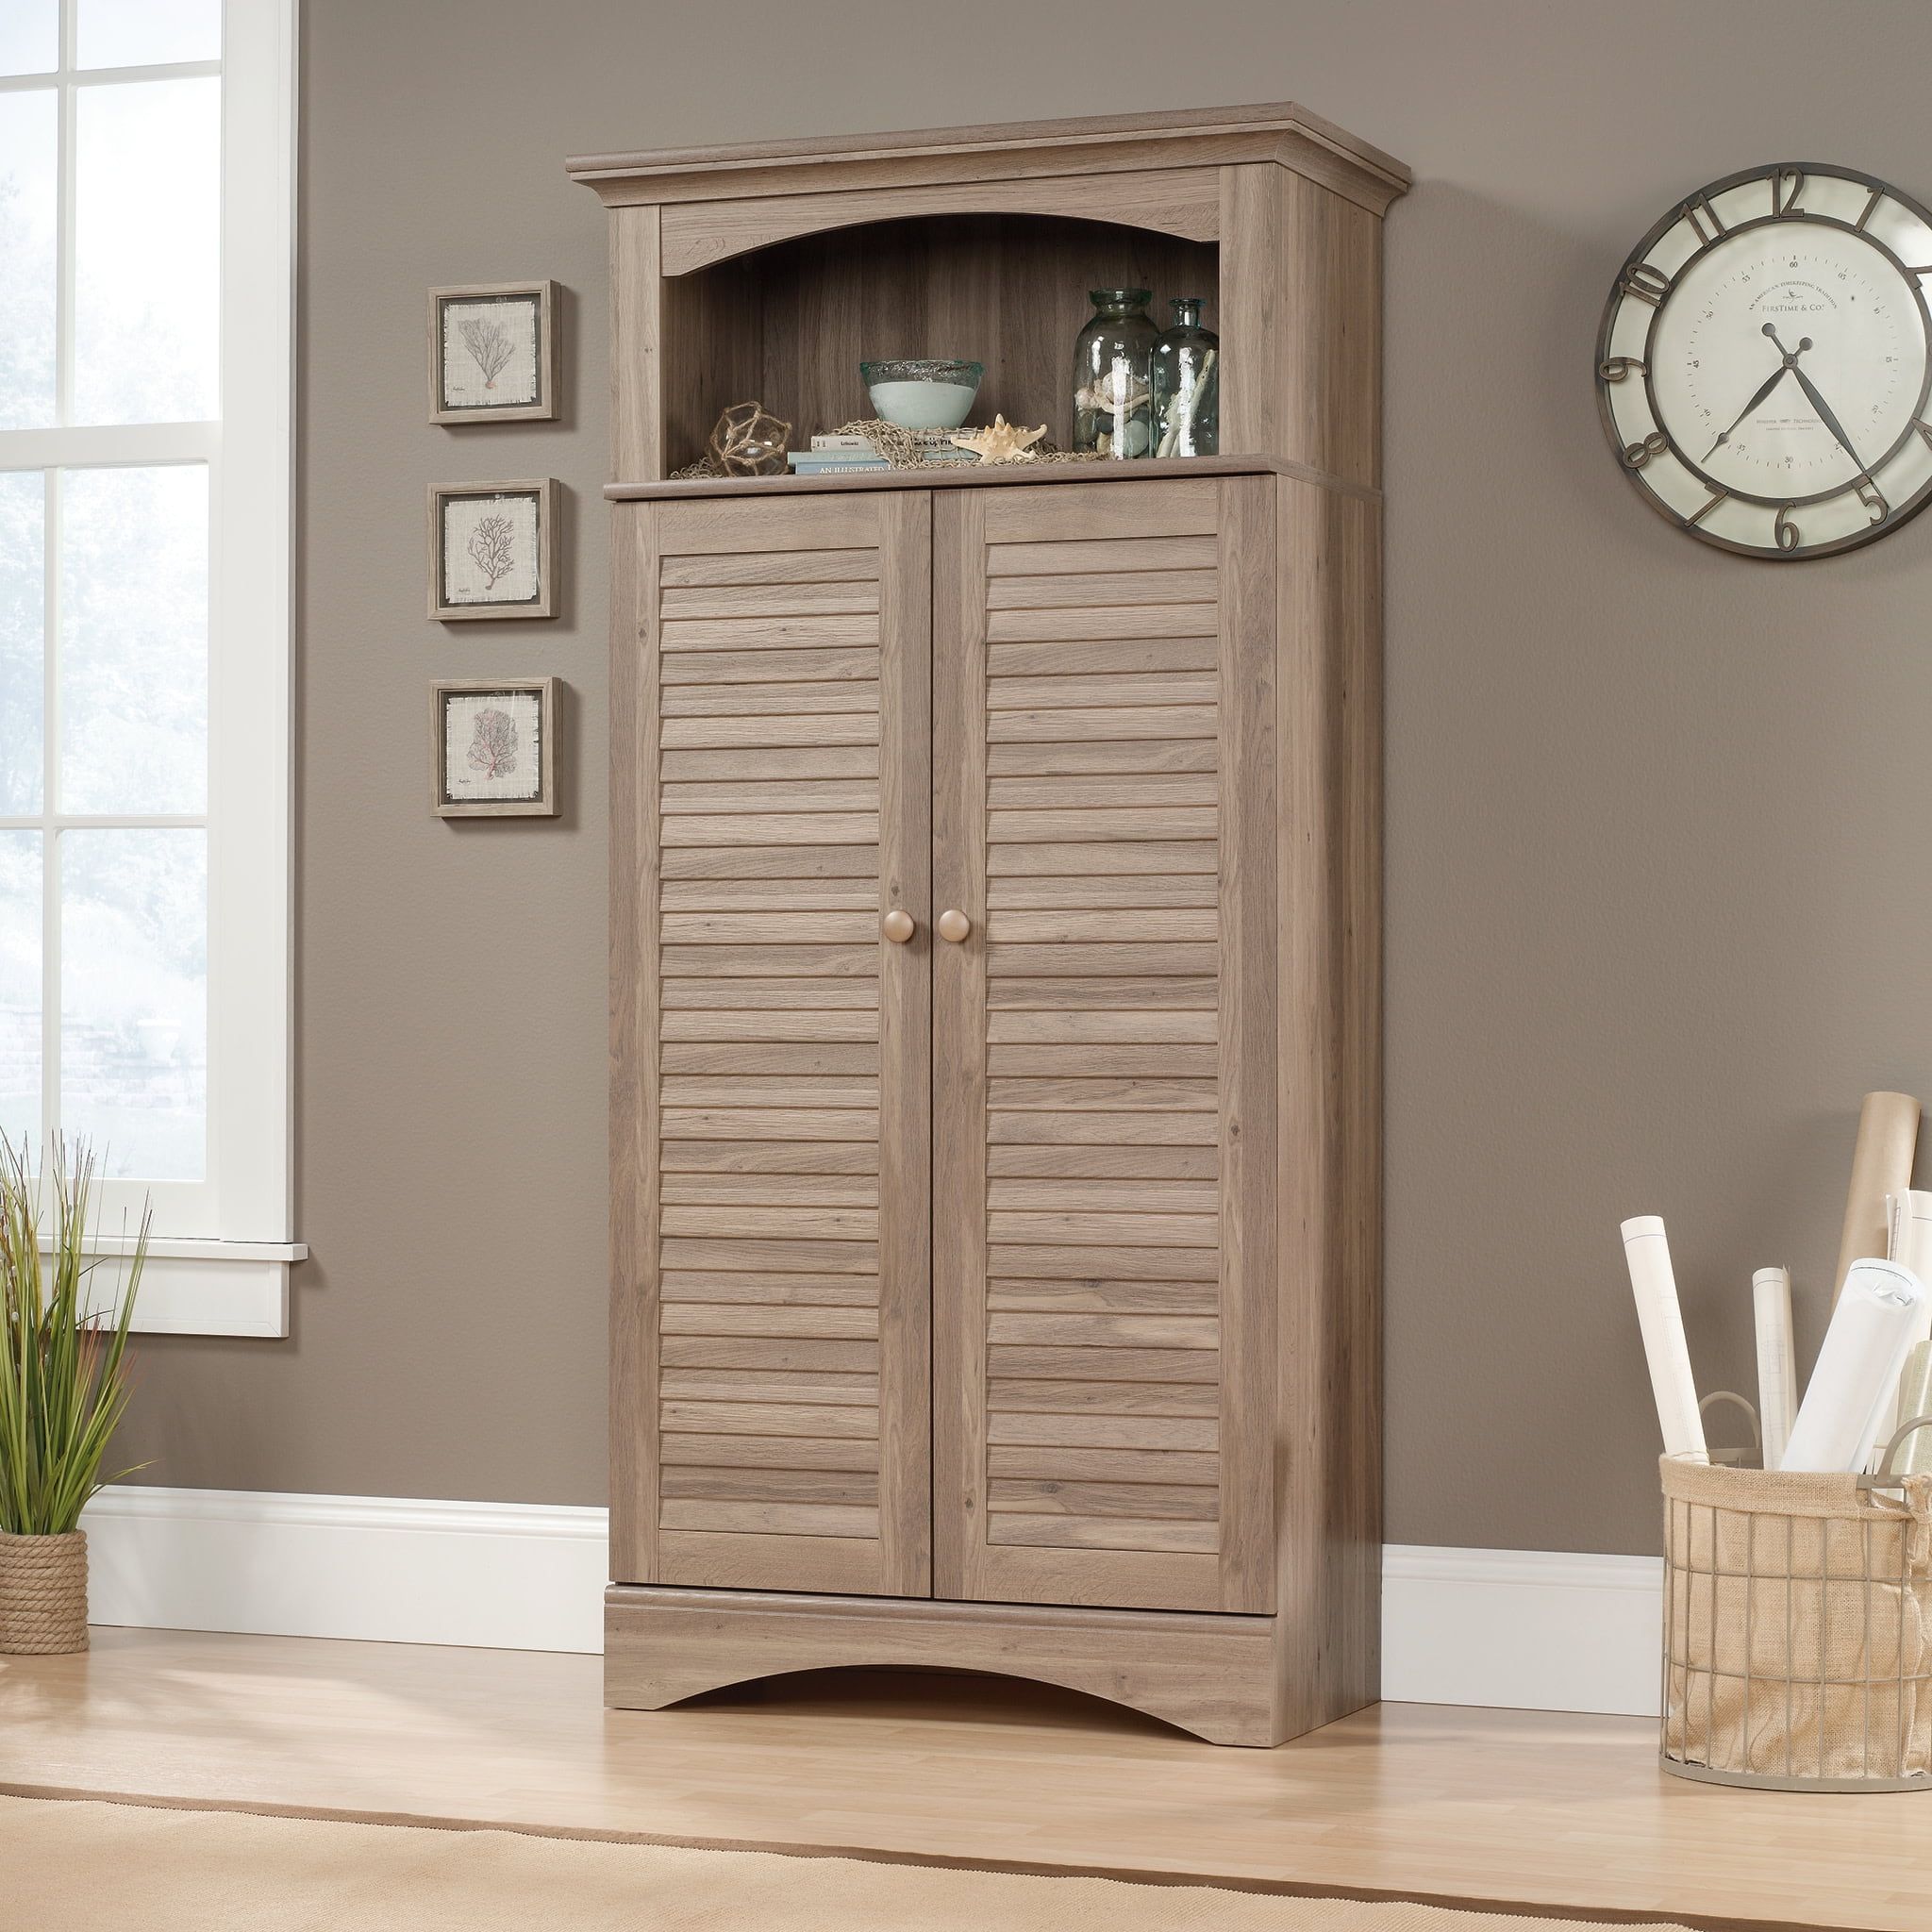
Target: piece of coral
(494, 548)
(490, 343)
(493, 749)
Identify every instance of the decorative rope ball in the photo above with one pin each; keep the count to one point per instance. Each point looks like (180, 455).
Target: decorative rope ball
(749, 442)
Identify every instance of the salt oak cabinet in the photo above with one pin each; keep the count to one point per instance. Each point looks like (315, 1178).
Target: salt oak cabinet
(996, 935)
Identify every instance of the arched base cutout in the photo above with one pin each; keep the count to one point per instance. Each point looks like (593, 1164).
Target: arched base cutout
(1213, 1676)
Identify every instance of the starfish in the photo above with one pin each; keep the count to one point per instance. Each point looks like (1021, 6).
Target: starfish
(1003, 443)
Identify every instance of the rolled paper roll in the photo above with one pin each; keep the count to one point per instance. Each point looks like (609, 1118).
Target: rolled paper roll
(1857, 1368)
(1881, 1165)
(1908, 1224)
(1777, 1367)
(1914, 1400)
(1647, 1252)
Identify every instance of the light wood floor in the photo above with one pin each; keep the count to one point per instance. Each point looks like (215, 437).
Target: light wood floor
(1406, 1799)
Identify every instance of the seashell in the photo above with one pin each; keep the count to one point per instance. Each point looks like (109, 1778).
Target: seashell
(1002, 443)
(1101, 398)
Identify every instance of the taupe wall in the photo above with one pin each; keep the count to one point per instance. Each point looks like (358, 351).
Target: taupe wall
(1656, 910)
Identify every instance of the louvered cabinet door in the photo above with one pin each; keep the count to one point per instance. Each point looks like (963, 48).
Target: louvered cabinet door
(1104, 1045)
(771, 1133)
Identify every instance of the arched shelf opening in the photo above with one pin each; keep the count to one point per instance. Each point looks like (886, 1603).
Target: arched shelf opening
(789, 323)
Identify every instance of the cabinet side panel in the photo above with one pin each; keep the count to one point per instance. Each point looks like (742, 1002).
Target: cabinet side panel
(1329, 711)
(1301, 307)
(1249, 1045)
(713, 328)
(1334, 263)
(637, 429)
(633, 1054)
(1252, 421)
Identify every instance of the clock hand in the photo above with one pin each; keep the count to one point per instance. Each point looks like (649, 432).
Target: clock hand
(1830, 421)
(1770, 383)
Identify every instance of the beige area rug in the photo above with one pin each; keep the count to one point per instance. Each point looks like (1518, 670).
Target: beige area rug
(70, 1865)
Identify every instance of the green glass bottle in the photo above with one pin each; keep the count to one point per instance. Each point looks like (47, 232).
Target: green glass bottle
(1113, 411)
(1186, 383)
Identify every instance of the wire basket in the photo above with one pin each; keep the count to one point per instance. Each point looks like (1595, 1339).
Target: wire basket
(1797, 1638)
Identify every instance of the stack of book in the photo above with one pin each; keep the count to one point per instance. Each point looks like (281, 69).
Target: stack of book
(833, 455)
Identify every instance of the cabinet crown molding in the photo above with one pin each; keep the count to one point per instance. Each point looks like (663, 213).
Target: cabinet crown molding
(1282, 132)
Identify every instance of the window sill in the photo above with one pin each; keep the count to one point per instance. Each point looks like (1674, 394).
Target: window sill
(208, 1286)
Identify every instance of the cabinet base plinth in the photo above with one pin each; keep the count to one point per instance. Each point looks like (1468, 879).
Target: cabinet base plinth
(1214, 1675)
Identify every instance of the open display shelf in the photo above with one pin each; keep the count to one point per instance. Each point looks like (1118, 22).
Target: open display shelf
(770, 270)
(789, 324)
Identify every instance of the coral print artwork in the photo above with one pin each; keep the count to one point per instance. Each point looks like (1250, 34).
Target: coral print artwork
(492, 551)
(492, 353)
(493, 747)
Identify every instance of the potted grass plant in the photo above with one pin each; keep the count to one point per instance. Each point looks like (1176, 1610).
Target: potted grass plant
(63, 1390)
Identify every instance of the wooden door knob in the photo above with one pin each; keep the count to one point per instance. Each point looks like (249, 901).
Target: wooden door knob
(954, 926)
(897, 927)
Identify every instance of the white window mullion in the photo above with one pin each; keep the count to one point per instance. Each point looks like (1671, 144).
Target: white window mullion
(50, 799)
(87, 822)
(105, 445)
(250, 839)
(112, 76)
(63, 258)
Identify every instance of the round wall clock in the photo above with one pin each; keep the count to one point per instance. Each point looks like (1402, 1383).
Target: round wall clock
(1765, 357)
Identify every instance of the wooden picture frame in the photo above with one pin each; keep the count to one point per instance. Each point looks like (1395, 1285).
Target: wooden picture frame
(502, 534)
(464, 724)
(504, 332)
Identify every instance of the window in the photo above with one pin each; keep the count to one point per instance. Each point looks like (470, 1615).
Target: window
(146, 198)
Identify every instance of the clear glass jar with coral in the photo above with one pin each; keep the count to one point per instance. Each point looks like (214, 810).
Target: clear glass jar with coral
(1113, 399)
(1186, 381)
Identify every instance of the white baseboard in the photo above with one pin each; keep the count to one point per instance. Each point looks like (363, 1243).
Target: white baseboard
(500, 1576)
(1525, 1629)
(1521, 1628)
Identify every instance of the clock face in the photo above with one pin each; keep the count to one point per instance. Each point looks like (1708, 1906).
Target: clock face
(1765, 360)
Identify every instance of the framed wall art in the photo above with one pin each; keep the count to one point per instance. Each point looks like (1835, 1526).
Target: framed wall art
(493, 747)
(492, 353)
(490, 549)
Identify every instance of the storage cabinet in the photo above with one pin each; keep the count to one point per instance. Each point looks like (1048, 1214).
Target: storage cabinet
(995, 983)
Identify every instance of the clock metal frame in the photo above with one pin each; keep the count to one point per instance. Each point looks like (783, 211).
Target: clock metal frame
(1697, 211)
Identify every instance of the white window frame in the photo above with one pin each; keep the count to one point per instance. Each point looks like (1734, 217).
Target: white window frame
(222, 1248)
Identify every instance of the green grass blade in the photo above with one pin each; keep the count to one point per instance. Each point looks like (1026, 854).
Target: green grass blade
(64, 1375)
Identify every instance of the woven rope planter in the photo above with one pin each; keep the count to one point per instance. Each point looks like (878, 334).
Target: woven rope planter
(42, 1594)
